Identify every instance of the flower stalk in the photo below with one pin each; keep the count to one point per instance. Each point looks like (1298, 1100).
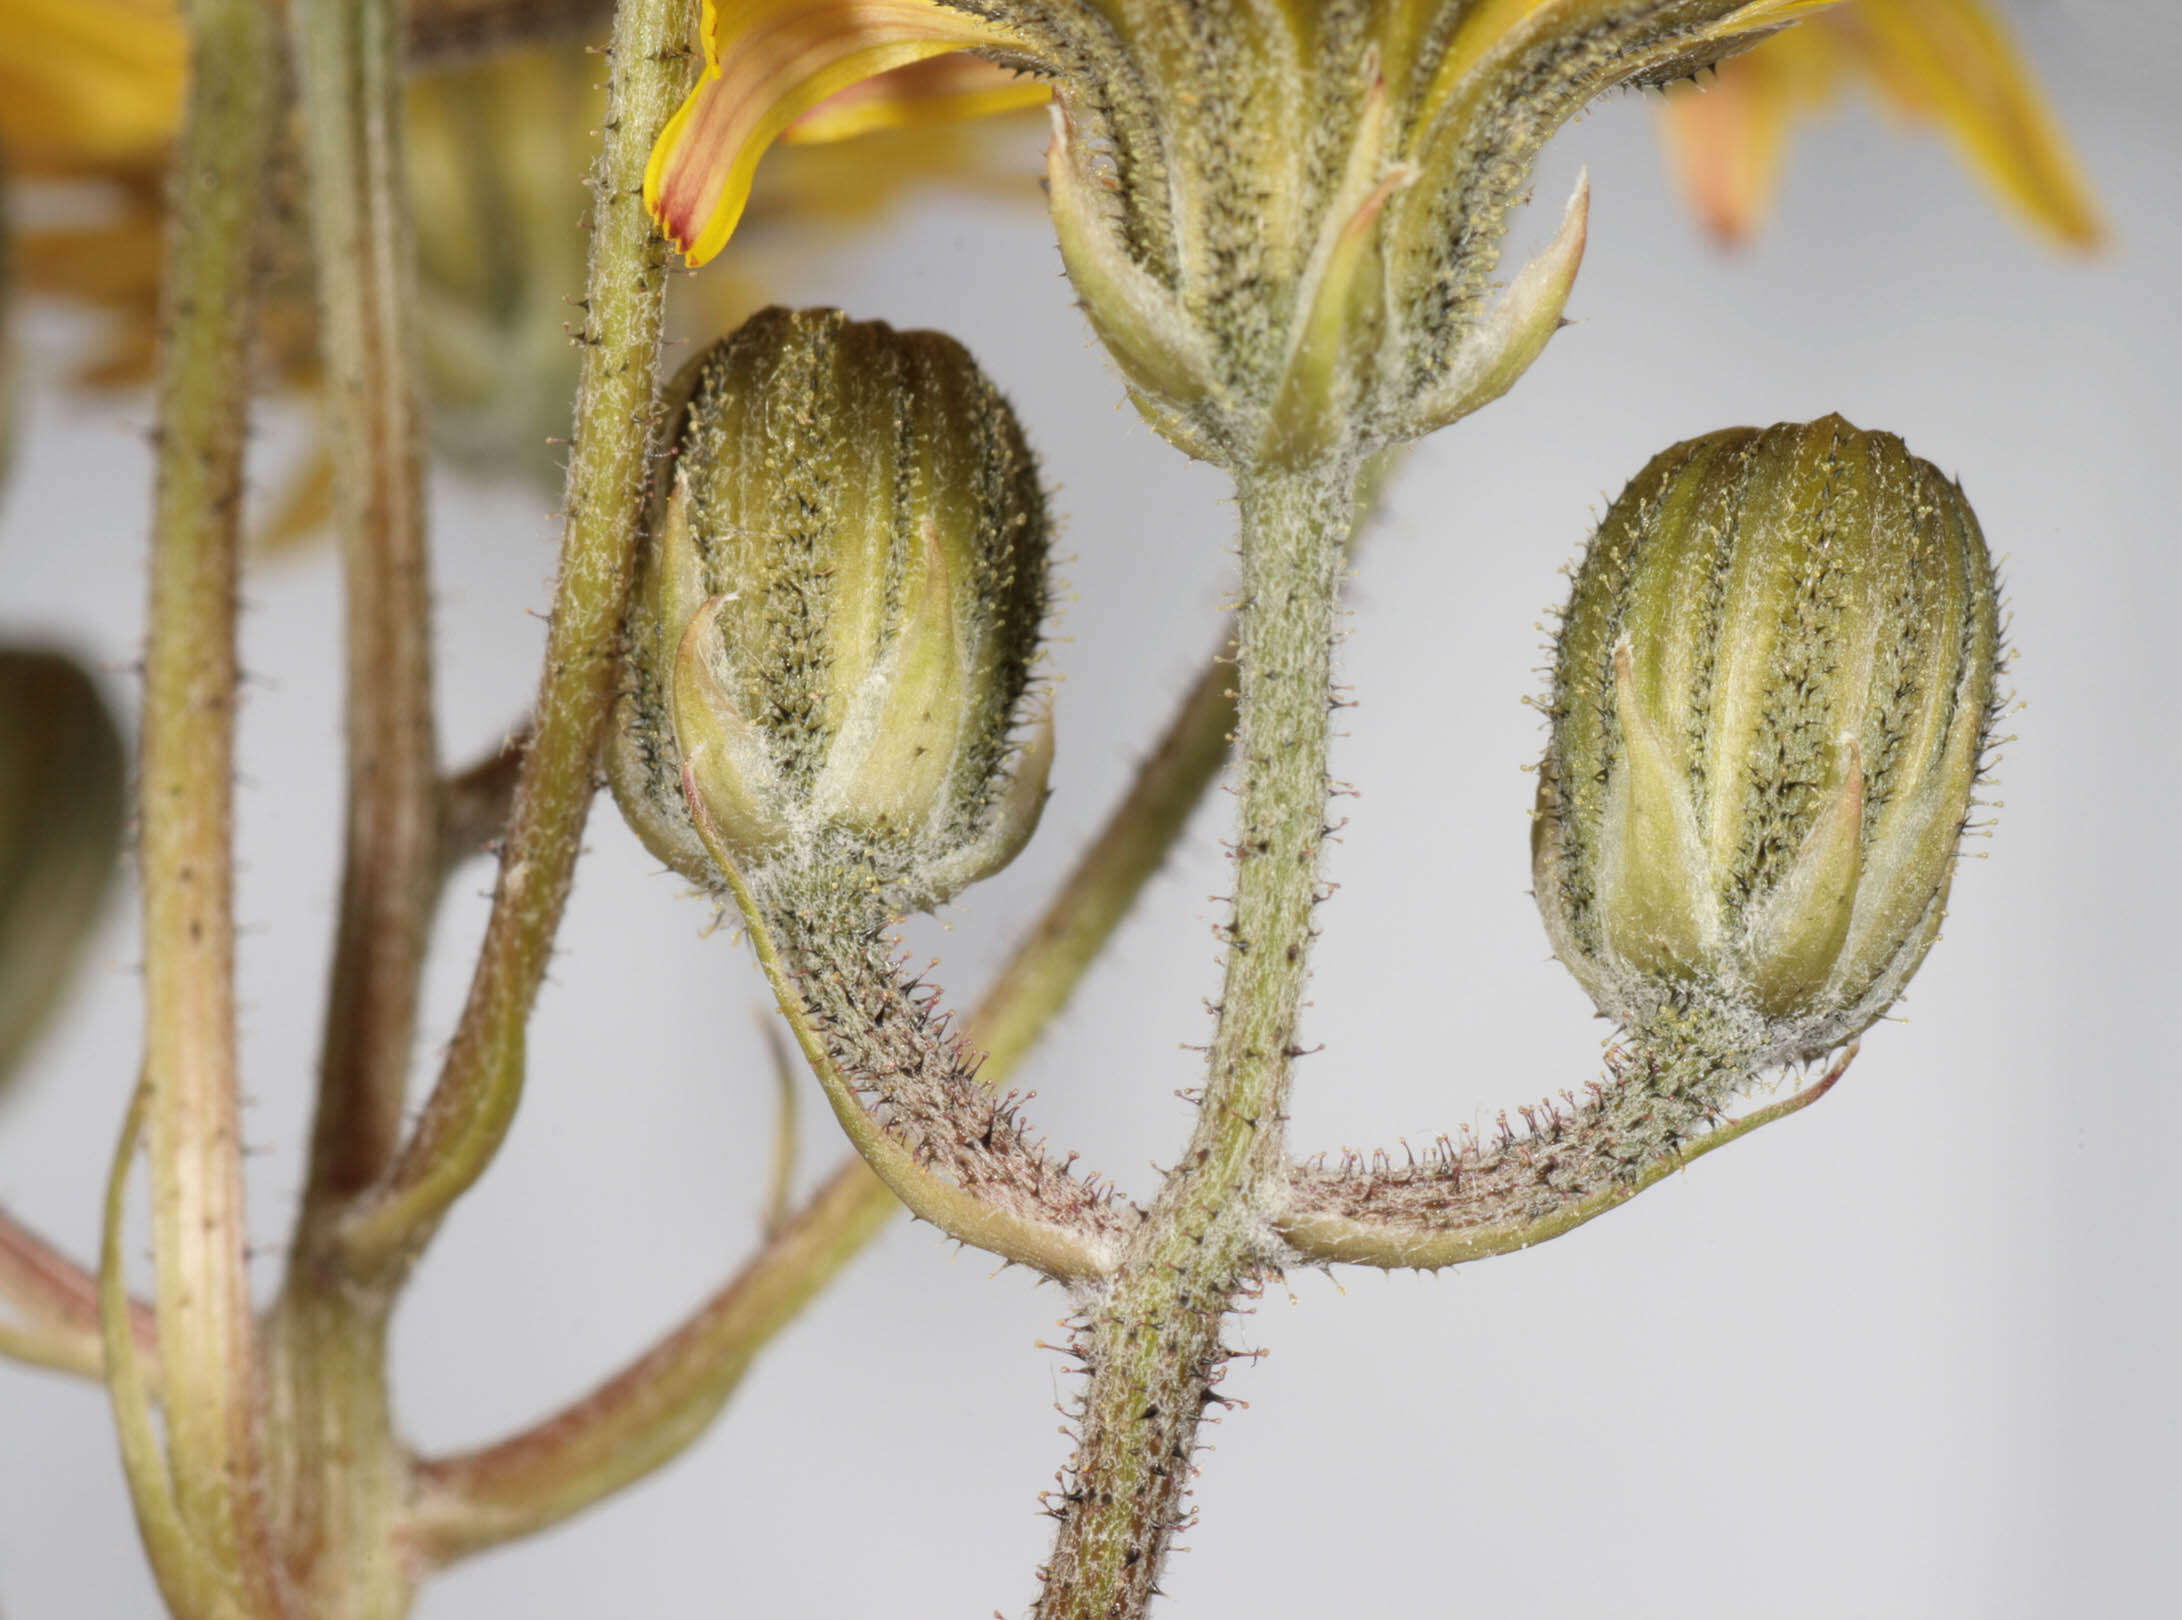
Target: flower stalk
(470, 1107)
(349, 53)
(650, 1411)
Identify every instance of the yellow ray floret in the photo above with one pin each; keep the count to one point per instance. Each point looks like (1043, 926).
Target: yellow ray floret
(941, 89)
(1949, 62)
(87, 85)
(767, 63)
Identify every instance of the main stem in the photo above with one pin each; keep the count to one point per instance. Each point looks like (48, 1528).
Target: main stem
(208, 1348)
(1152, 1339)
(339, 1475)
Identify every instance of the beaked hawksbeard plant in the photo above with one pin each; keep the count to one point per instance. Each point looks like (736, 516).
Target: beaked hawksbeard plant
(797, 629)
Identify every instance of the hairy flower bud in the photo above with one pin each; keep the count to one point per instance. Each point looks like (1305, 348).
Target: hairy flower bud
(830, 640)
(1773, 692)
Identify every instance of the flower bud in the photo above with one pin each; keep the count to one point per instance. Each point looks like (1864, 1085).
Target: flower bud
(63, 798)
(830, 639)
(1773, 691)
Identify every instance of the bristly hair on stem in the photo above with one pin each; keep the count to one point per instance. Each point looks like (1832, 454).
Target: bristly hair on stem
(468, 1111)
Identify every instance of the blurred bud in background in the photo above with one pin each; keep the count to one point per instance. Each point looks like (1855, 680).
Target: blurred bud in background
(62, 794)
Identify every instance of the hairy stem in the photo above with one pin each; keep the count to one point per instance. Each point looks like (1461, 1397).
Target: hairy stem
(208, 1347)
(470, 1108)
(1464, 1203)
(350, 62)
(950, 1151)
(1152, 1336)
(652, 1409)
(336, 1470)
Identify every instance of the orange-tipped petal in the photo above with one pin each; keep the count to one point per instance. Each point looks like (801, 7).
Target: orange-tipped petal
(1726, 136)
(940, 90)
(767, 63)
(1951, 60)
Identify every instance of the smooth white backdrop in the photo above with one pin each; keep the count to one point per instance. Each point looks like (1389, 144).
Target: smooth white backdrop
(1905, 1355)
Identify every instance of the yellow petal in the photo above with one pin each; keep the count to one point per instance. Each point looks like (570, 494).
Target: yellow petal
(768, 62)
(939, 90)
(1726, 137)
(1952, 61)
(1493, 23)
(89, 84)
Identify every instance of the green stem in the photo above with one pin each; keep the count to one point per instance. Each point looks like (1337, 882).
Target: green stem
(208, 1347)
(338, 1473)
(470, 1108)
(68, 1347)
(192, 1580)
(1153, 1336)
(1466, 1206)
(350, 62)
(947, 1150)
(339, 1479)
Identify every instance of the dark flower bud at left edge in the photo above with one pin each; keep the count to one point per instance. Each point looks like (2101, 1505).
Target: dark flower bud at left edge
(63, 804)
(830, 643)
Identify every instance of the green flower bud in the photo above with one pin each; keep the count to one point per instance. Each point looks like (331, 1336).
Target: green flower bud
(830, 640)
(1773, 692)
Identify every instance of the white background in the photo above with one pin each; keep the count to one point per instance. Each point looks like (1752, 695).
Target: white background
(1906, 1354)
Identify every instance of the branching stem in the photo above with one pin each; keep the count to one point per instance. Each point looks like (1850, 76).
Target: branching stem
(653, 1408)
(1468, 1206)
(1153, 1336)
(59, 1300)
(208, 1346)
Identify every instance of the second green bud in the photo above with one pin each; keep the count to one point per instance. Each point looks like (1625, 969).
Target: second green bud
(838, 605)
(1772, 696)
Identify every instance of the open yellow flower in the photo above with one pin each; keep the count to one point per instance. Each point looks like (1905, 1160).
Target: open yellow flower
(1948, 62)
(90, 97)
(1282, 218)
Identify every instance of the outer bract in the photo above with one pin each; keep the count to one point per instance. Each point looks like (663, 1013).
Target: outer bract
(1773, 692)
(830, 641)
